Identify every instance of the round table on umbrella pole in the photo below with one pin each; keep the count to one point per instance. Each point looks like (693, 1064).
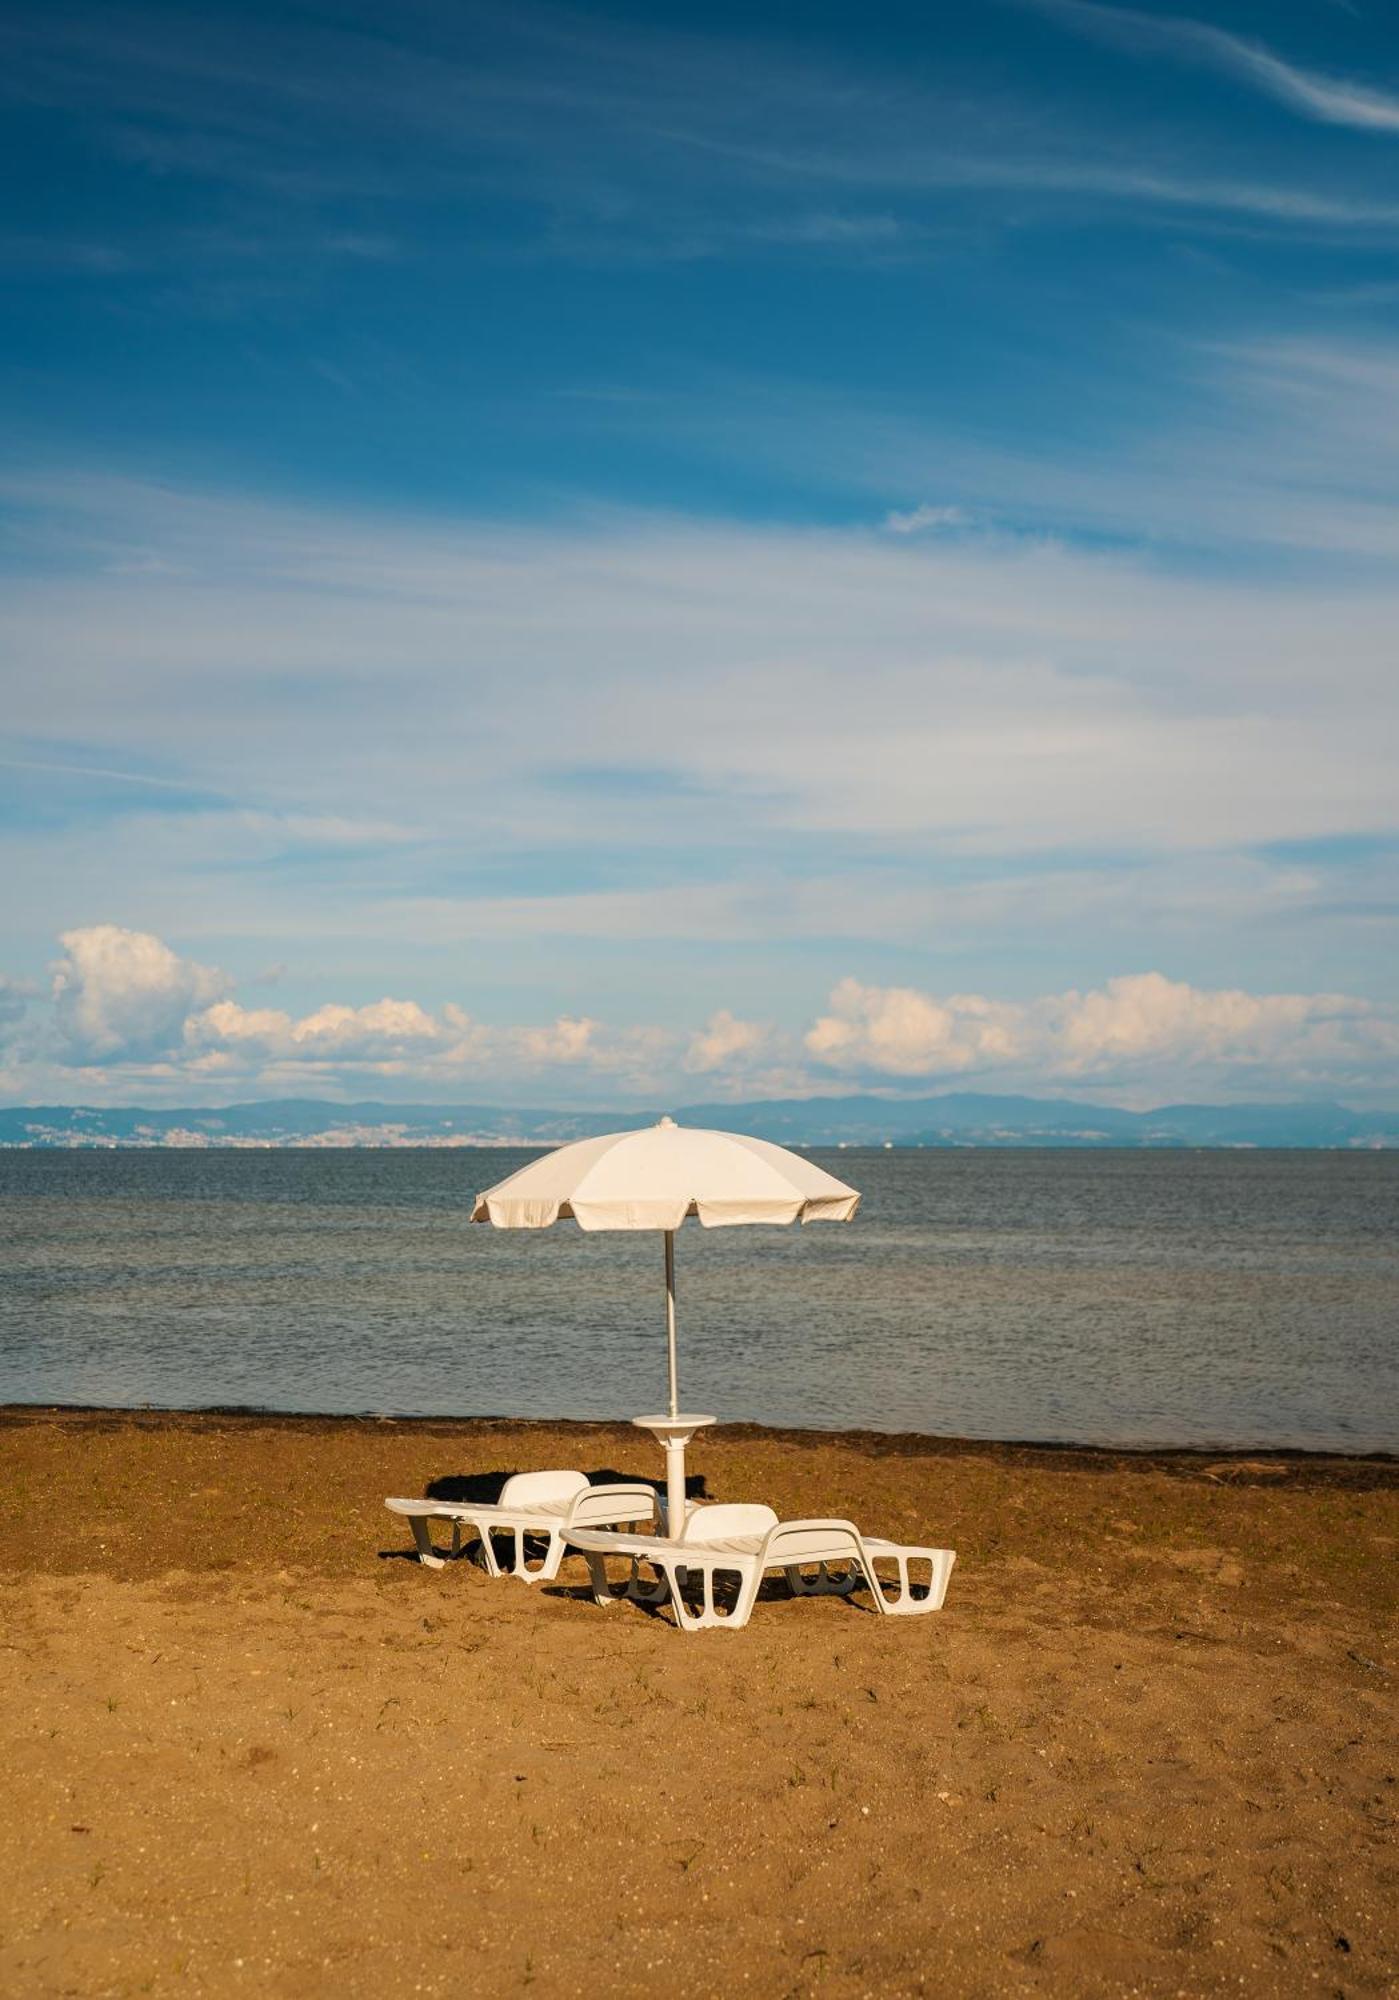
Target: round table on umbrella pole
(673, 1432)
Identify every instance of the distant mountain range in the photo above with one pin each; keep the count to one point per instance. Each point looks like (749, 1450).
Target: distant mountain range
(963, 1118)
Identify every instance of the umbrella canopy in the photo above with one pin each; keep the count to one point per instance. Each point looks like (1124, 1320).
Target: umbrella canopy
(654, 1178)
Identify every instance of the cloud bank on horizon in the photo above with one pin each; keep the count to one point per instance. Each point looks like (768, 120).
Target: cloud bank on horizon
(127, 1015)
(674, 548)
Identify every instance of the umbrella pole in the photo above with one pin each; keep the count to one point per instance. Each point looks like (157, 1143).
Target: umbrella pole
(670, 1319)
(673, 1432)
(675, 1441)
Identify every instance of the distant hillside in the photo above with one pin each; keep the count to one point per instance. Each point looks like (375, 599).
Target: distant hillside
(303, 1121)
(963, 1118)
(959, 1118)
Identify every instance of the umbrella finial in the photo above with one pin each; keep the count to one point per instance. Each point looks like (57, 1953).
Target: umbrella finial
(666, 1124)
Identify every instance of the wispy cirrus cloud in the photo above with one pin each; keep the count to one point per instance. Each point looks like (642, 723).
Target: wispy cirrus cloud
(974, 573)
(925, 519)
(1329, 100)
(646, 141)
(435, 743)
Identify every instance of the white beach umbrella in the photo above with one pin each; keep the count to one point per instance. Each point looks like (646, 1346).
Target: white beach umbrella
(653, 1179)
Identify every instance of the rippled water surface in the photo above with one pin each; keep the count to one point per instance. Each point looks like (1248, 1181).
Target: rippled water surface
(1134, 1298)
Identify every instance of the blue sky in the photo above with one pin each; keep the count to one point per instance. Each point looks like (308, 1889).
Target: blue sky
(612, 553)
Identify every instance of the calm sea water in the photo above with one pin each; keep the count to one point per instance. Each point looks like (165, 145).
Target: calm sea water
(1218, 1299)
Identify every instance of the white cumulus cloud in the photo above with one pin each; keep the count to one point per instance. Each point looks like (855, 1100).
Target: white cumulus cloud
(123, 995)
(126, 999)
(568, 1040)
(901, 1032)
(131, 1011)
(1137, 1026)
(380, 1031)
(725, 1043)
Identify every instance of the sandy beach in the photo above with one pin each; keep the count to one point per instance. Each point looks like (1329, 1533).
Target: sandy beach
(251, 1748)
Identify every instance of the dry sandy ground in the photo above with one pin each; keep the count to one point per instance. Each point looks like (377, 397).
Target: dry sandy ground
(1146, 1748)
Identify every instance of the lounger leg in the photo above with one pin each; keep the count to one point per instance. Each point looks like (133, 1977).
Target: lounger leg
(906, 1604)
(881, 1603)
(456, 1539)
(548, 1567)
(751, 1577)
(708, 1619)
(488, 1556)
(426, 1553)
(646, 1593)
(684, 1617)
(597, 1576)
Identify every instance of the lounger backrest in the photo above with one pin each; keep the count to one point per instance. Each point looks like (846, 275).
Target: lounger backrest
(808, 1541)
(716, 1524)
(597, 1506)
(528, 1489)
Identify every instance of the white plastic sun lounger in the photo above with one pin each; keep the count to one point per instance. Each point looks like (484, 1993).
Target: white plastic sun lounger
(530, 1503)
(746, 1541)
